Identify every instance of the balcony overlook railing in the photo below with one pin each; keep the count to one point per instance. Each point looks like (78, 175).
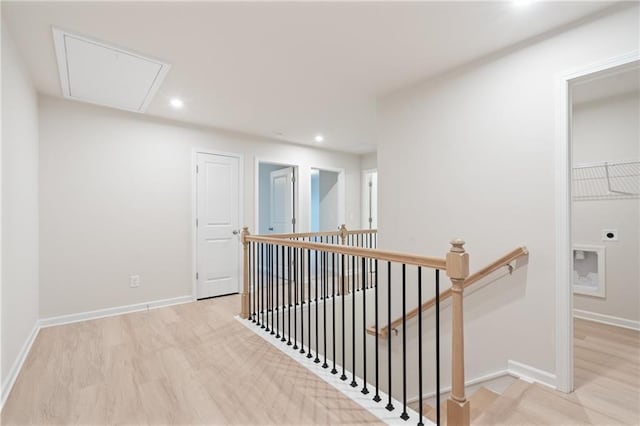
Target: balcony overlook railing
(315, 293)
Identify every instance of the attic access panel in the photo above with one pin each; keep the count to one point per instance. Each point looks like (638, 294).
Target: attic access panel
(94, 72)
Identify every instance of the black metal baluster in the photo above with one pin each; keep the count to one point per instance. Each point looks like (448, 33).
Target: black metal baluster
(354, 383)
(344, 376)
(333, 297)
(309, 354)
(295, 298)
(324, 305)
(250, 276)
(389, 332)
(437, 346)
(284, 277)
(261, 286)
(289, 296)
(420, 408)
(302, 301)
(404, 415)
(364, 326)
(376, 397)
(275, 287)
(271, 262)
(317, 360)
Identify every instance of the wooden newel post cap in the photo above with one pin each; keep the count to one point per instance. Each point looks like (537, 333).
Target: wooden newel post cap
(457, 245)
(457, 261)
(245, 232)
(343, 232)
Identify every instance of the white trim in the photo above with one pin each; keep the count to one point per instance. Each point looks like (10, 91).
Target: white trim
(109, 312)
(564, 265)
(17, 364)
(365, 401)
(478, 380)
(607, 319)
(194, 212)
(531, 374)
(256, 191)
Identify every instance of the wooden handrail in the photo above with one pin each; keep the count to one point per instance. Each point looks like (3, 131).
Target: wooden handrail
(323, 234)
(456, 265)
(473, 278)
(390, 256)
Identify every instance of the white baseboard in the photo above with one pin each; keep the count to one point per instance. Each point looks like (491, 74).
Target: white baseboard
(531, 374)
(17, 365)
(607, 319)
(109, 312)
(476, 381)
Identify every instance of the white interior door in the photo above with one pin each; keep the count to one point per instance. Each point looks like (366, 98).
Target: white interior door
(282, 214)
(217, 224)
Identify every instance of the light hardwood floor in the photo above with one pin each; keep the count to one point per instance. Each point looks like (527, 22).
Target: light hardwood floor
(606, 383)
(185, 364)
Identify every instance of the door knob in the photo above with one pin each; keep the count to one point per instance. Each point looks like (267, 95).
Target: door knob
(236, 232)
(270, 229)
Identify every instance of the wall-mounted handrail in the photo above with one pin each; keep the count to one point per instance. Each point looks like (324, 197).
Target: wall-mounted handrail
(473, 278)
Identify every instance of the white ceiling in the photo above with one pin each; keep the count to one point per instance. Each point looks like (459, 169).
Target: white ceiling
(622, 82)
(295, 68)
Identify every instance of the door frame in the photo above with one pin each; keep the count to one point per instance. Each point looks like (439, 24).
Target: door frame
(256, 192)
(194, 212)
(563, 213)
(363, 195)
(342, 198)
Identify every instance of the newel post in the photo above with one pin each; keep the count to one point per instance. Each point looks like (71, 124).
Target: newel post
(244, 301)
(342, 231)
(457, 270)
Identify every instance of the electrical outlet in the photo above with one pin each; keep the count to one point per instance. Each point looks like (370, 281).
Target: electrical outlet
(609, 235)
(134, 281)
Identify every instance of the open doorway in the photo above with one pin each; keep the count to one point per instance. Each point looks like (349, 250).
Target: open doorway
(326, 200)
(605, 227)
(277, 198)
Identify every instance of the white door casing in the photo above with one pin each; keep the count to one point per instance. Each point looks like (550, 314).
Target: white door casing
(217, 225)
(282, 194)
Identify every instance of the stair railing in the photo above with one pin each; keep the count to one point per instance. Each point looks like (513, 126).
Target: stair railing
(505, 260)
(300, 305)
(367, 238)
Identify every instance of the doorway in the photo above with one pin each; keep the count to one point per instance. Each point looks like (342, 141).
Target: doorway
(326, 200)
(571, 186)
(605, 157)
(277, 197)
(217, 225)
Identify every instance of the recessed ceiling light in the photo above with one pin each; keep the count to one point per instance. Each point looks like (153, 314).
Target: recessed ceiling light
(319, 138)
(521, 3)
(176, 103)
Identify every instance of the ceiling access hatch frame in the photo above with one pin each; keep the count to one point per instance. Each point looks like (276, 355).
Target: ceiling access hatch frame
(99, 73)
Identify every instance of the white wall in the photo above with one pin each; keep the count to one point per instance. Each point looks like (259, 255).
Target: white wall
(608, 130)
(369, 161)
(19, 207)
(471, 154)
(116, 200)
